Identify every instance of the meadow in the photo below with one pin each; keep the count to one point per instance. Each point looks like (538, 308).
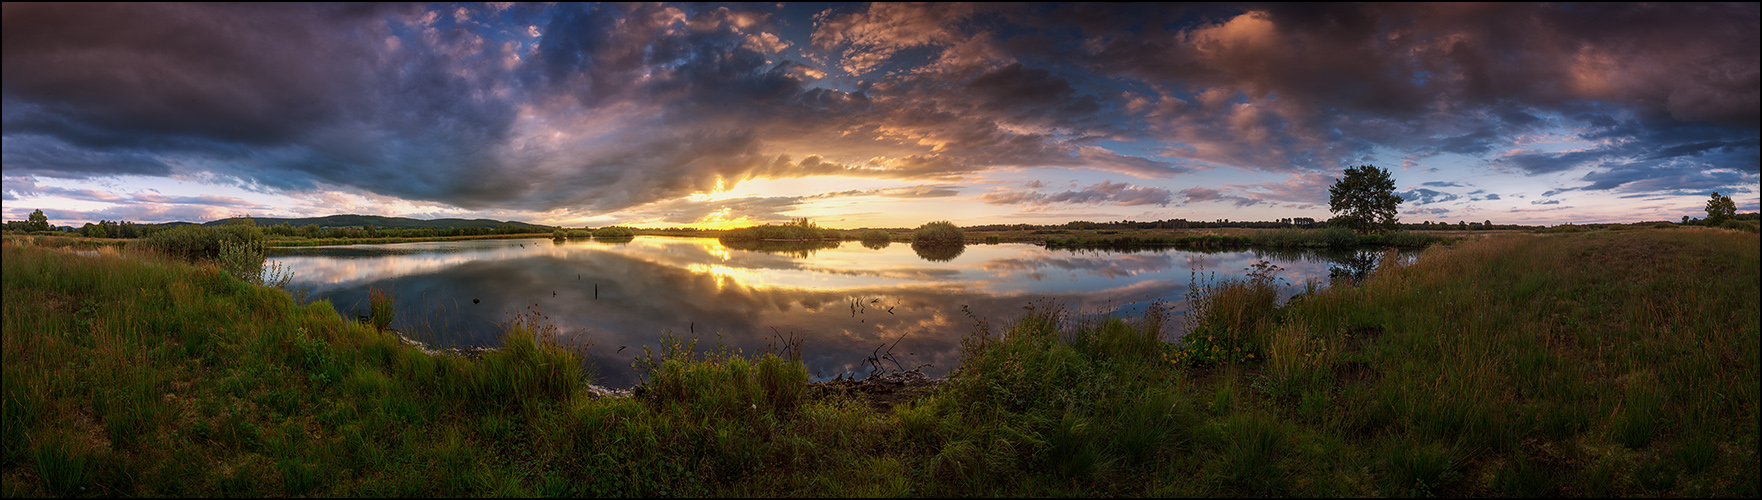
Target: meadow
(1594, 363)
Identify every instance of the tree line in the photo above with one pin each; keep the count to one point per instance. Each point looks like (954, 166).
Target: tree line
(37, 222)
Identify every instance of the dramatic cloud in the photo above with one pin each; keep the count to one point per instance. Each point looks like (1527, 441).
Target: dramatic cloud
(614, 110)
(1107, 192)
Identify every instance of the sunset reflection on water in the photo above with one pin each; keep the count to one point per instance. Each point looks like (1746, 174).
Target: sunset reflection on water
(843, 302)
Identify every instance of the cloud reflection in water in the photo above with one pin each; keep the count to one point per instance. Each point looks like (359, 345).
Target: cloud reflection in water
(843, 301)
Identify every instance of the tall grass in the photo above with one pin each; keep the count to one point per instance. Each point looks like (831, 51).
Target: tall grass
(1229, 321)
(382, 307)
(1606, 363)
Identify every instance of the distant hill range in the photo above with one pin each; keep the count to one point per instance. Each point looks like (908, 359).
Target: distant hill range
(379, 222)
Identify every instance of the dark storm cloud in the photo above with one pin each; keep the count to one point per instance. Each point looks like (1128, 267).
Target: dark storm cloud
(1463, 79)
(316, 92)
(42, 155)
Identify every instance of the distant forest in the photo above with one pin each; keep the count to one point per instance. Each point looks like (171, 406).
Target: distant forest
(374, 226)
(334, 226)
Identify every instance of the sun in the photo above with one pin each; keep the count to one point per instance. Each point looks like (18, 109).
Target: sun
(719, 220)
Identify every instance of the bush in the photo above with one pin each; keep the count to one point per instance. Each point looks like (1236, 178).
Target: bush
(1741, 225)
(614, 232)
(243, 260)
(798, 229)
(939, 233)
(203, 242)
(873, 235)
(1563, 228)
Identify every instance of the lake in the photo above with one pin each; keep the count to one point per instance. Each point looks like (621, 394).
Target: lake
(843, 300)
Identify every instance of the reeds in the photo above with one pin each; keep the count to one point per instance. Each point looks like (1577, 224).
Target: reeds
(381, 306)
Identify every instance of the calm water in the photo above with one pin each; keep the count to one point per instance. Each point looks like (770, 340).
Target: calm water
(843, 300)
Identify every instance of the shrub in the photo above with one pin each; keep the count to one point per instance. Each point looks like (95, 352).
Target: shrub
(614, 232)
(1563, 228)
(875, 235)
(939, 233)
(199, 242)
(798, 229)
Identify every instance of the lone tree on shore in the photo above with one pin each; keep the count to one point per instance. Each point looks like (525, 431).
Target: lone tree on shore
(1720, 209)
(1364, 200)
(39, 222)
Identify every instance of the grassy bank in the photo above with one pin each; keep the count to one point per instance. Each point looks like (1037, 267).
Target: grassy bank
(1271, 238)
(1612, 363)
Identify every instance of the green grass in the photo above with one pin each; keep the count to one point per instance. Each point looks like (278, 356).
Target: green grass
(1594, 363)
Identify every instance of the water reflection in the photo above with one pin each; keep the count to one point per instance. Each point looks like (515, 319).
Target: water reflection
(938, 253)
(842, 298)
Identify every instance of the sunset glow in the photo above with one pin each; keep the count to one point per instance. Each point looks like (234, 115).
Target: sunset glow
(882, 115)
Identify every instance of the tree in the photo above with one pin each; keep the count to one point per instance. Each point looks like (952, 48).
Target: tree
(1364, 200)
(40, 222)
(1720, 209)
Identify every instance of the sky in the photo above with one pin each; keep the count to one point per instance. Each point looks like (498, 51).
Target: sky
(876, 115)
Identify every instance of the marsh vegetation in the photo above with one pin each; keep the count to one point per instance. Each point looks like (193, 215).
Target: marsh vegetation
(1610, 363)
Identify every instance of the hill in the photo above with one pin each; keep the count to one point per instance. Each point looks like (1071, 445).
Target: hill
(380, 222)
